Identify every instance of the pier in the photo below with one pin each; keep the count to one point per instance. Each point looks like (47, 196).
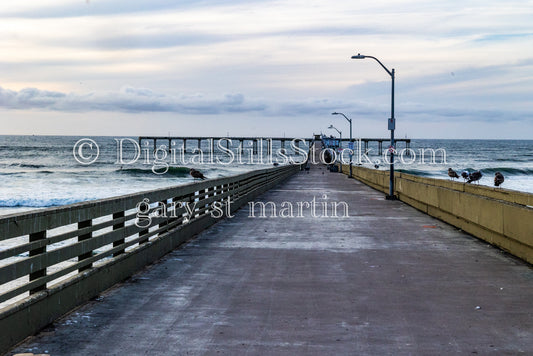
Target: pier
(386, 279)
(365, 142)
(254, 142)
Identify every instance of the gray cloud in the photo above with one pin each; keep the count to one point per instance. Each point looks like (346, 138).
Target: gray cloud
(144, 100)
(128, 99)
(29, 98)
(138, 100)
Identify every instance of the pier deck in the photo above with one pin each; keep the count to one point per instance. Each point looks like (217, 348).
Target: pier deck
(388, 279)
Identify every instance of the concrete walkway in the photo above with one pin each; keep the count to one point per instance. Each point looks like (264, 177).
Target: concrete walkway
(387, 280)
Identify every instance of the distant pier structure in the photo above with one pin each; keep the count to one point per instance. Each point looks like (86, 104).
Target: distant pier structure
(380, 141)
(256, 142)
(364, 141)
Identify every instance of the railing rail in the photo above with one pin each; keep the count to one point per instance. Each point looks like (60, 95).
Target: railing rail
(44, 245)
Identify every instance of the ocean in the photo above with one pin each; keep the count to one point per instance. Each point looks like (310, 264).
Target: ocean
(45, 171)
(512, 158)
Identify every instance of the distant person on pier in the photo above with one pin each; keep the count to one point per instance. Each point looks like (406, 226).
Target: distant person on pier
(328, 158)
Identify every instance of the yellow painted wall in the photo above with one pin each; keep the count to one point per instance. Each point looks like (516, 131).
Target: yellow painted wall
(499, 216)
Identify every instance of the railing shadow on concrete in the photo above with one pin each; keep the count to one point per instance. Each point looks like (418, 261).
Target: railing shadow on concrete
(501, 217)
(59, 258)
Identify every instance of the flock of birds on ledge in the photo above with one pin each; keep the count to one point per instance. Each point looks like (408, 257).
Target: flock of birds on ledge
(475, 176)
(468, 177)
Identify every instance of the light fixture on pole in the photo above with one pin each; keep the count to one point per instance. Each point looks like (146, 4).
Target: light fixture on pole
(340, 143)
(350, 145)
(340, 134)
(392, 125)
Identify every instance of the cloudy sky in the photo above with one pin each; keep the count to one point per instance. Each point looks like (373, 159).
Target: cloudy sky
(464, 69)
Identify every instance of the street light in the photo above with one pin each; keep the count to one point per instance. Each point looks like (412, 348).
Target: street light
(340, 134)
(340, 143)
(351, 142)
(392, 124)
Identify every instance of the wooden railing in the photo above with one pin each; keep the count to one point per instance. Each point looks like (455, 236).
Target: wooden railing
(44, 247)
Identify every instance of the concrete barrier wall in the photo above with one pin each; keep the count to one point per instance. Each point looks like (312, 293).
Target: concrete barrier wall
(501, 217)
(47, 303)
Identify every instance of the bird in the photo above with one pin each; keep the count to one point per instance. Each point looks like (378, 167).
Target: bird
(465, 175)
(474, 176)
(452, 174)
(498, 179)
(275, 164)
(196, 174)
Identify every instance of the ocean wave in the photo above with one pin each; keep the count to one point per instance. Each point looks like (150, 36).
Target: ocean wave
(416, 172)
(25, 172)
(173, 171)
(506, 171)
(523, 158)
(509, 171)
(26, 165)
(38, 202)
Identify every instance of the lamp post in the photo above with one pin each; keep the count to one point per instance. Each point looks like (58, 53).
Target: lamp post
(340, 134)
(392, 125)
(351, 142)
(340, 142)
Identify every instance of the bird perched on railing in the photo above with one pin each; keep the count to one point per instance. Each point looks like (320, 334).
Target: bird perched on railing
(452, 174)
(465, 175)
(474, 176)
(196, 174)
(498, 179)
